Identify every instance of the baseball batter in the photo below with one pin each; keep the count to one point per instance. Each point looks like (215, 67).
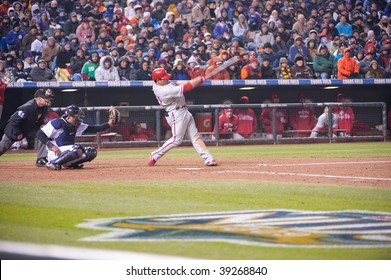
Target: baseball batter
(171, 97)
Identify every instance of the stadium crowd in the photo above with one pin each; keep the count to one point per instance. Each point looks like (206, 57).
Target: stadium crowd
(90, 40)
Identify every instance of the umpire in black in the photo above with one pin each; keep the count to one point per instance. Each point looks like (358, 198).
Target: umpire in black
(27, 120)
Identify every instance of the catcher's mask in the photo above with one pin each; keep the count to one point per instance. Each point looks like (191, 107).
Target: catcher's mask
(46, 94)
(75, 112)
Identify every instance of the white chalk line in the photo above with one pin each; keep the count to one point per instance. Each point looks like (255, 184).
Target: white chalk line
(305, 175)
(320, 163)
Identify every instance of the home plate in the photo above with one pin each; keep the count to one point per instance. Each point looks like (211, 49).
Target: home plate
(190, 168)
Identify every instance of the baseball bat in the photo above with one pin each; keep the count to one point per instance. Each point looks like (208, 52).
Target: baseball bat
(223, 66)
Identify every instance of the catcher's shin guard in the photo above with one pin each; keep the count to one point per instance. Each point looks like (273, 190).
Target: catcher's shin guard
(70, 155)
(90, 153)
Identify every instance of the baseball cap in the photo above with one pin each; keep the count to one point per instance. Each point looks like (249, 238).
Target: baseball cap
(340, 96)
(244, 99)
(44, 93)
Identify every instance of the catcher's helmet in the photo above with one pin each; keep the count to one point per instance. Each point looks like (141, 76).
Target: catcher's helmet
(74, 111)
(160, 73)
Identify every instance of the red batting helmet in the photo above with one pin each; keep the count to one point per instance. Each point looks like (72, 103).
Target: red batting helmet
(160, 73)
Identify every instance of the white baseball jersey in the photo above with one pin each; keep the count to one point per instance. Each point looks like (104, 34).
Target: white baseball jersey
(324, 122)
(172, 99)
(169, 96)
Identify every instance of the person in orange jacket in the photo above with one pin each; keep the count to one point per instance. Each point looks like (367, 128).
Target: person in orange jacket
(347, 66)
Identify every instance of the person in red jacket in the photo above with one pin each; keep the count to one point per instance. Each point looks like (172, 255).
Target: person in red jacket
(228, 125)
(347, 66)
(247, 119)
(345, 117)
(3, 85)
(302, 118)
(266, 119)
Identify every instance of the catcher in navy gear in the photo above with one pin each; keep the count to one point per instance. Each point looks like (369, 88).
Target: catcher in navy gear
(59, 137)
(27, 120)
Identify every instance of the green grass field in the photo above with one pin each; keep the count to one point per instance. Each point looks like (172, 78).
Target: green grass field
(49, 212)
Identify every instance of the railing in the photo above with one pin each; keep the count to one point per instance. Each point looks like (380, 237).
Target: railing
(370, 121)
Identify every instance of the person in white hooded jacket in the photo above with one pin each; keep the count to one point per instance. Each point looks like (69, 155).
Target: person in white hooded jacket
(106, 70)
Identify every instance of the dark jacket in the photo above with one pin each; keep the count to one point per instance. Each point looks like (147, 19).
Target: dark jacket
(38, 74)
(28, 118)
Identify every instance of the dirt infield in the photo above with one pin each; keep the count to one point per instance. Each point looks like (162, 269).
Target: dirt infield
(374, 172)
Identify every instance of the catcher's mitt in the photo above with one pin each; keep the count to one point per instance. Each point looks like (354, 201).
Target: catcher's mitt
(114, 115)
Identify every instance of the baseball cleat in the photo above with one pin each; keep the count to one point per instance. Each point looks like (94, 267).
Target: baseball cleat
(41, 162)
(211, 163)
(151, 161)
(53, 166)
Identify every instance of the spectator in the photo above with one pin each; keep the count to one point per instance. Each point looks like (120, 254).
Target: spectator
(344, 27)
(299, 25)
(324, 62)
(251, 71)
(375, 71)
(365, 62)
(347, 66)
(88, 70)
(323, 124)
(144, 73)
(71, 25)
(279, 44)
(194, 70)
(296, 48)
(20, 74)
(345, 115)
(28, 61)
(64, 55)
(215, 63)
(247, 119)
(267, 71)
(385, 59)
(84, 29)
(240, 28)
(302, 118)
(266, 118)
(268, 53)
(201, 12)
(264, 37)
(220, 28)
(41, 73)
(4, 6)
(284, 70)
(125, 71)
(106, 70)
(129, 10)
(38, 44)
(43, 22)
(76, 65)
(179, 72)
(228, 125)
(184, 8)
(29, 38)
(300, 70)
(50, 52)
(312, 48)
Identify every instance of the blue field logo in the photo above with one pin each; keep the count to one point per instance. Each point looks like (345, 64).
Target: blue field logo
(292, 228)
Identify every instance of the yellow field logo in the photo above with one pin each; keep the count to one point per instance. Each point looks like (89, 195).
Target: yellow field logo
(262, 227)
